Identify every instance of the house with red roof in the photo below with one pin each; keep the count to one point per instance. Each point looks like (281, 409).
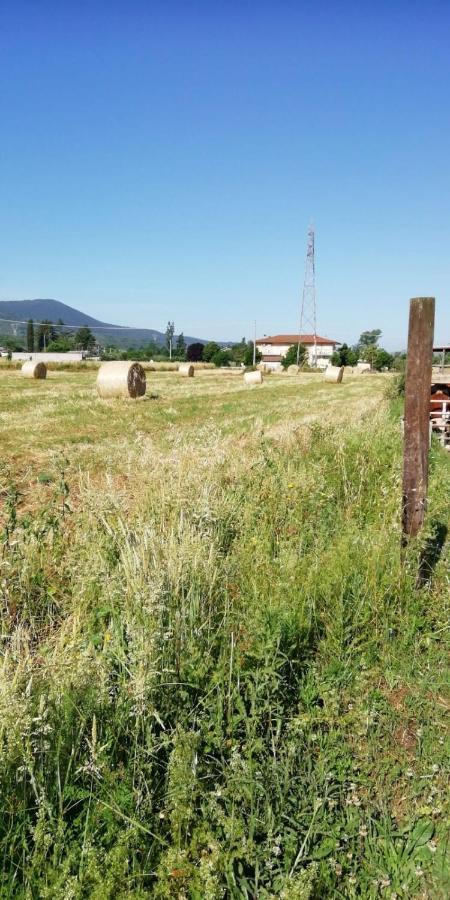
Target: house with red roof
(273, 347)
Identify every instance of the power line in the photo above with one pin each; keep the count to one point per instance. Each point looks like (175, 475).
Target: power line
(63, 325)
(114, 327)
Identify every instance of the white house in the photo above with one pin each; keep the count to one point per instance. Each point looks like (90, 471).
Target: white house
(274, 347)
(51, 356)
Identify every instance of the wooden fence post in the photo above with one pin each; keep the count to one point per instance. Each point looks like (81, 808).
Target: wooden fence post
(417, 414)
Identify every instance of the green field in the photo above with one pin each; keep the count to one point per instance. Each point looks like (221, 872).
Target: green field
(217, 679)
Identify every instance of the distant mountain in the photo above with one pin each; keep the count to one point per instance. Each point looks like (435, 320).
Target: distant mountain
(38, 310)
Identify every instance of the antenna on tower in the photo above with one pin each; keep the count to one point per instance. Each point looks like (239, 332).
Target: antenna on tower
(308, 309)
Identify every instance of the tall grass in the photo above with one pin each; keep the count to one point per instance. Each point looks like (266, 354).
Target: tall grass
(204, 691)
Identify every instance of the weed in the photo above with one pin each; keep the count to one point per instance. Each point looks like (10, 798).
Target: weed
(217, 680)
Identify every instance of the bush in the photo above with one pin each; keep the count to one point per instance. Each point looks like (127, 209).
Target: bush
(396, 387)
(221, 358)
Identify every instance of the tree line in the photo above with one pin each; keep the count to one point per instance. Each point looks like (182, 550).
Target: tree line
(367, 349)
(52, 337)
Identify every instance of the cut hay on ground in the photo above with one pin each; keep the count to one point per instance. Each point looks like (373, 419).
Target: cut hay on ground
(33, 369)
(121, 379)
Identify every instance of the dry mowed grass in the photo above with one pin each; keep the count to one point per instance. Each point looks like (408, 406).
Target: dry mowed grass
(64, 415)
(60, 424)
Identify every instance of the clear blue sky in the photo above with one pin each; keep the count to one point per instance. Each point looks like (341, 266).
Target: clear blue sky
(163, 159)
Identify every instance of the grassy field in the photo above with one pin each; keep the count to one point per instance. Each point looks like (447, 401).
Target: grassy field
(217, 679)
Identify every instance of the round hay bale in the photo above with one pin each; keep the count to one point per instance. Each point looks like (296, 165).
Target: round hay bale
(186, 370)
(253, 377)
(362, 367)
(334, 374)
(293, 370)
(121, 379)
(33, 369)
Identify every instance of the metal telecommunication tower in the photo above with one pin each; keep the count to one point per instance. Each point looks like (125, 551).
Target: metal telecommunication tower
(308, 310)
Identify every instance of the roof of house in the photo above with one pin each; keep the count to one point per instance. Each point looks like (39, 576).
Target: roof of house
(294, 339)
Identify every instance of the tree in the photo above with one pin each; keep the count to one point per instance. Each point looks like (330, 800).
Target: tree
(30, 336)
(382, 360)
(370, 338)
(238, 351)
(370, 354)
(248, 355)
(194, 352)
(41, 341)
(12, 343)
(344, 356)
(290, 359)
(221, 358)
(170, 331)
(181, 346)
(399, 361)
(84, 339)
(62, 344)
(209, 350)
(153, 349)
(46, 333)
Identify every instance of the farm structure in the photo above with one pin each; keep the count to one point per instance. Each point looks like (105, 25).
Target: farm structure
(319, 350)
(52, 356)
(442, 351)
(440, 411)
(440, 399)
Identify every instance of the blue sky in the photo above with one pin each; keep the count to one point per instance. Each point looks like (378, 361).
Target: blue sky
(163, 160)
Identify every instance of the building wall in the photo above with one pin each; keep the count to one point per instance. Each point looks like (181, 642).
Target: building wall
(70, 356)
(324, 353)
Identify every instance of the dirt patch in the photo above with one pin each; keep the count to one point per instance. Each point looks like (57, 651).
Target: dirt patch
(397, 698)
(405, 736)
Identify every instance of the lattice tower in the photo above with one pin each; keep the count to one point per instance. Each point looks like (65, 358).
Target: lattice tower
(308, 324)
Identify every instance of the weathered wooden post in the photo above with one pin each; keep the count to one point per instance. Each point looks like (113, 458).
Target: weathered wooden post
(417, 414)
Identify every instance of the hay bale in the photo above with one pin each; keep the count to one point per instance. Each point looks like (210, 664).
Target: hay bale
(253, 377)
(33, 369)
(334, 374)
(121, 379)
(186, 370)
(362, 367)
(293, 370)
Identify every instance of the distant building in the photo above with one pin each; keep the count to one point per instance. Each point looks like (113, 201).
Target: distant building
(51, 356)
(275, 346)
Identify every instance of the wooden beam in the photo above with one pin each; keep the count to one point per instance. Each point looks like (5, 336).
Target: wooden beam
(417, 414)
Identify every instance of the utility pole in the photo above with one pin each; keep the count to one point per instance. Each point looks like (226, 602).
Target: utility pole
(308, 308)
(170, 331)
(417, 414)
(254, 346)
